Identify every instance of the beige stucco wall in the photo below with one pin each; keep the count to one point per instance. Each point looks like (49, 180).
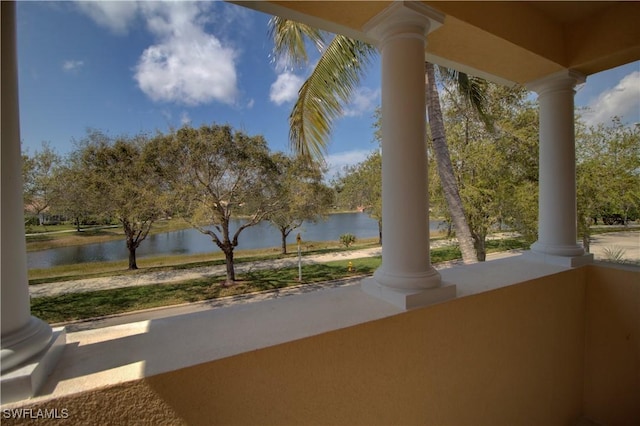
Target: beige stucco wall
(509, 356)
(612, 356)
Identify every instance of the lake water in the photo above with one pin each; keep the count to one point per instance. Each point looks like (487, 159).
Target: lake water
(191, 241)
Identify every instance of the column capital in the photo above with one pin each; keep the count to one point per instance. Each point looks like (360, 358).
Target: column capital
(402, 19)
(562, 80)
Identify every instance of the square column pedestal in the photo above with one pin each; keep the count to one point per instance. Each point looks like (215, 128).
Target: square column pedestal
(24, 381)
(553, 259)
(409, 298)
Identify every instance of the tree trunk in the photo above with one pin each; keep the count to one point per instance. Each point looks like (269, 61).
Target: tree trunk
(231, 272)
(481, 250)
(586, 242)
(380, 232)
(132, 259)
(283, 234)
(445, 168)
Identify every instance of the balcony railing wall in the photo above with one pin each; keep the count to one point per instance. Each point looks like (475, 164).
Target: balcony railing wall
(546, 351)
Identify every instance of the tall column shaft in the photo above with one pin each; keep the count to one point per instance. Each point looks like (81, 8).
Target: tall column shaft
(405, 234)
(557, 224)
(406, 277)
(22, 335)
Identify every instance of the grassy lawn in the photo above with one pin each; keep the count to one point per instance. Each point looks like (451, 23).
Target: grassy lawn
(76, 306)
(55, 236)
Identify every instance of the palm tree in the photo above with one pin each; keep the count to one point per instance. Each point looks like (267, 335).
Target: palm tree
(331, 84)
(473, 93)
(341, 66)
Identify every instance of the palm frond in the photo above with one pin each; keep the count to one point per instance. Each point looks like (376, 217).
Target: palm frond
(320, 99)
(290, 37)
(473, 90)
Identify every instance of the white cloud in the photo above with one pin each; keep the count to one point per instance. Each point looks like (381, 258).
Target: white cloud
(189, 71)
(623, 101)
(117, 16)
(72, 65)
(338, 161)
(364, 101)
(251, 103)
(186, 65)
(285, 88)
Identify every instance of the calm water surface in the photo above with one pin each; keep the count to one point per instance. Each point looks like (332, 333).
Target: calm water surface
(191, 241)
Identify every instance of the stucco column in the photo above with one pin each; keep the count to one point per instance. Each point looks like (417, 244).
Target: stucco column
(406, 276)
(23, 336)
(557, 224)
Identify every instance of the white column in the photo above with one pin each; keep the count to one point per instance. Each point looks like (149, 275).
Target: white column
(406, 277)
(23, 336)
(557, 224)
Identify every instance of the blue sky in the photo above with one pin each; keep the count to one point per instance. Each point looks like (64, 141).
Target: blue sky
(129, 67)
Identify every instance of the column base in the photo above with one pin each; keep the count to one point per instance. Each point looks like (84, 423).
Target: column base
(409, 298)
(23, 343)
(554, 259)
(421, 280)
(24, 381)
(571, 250)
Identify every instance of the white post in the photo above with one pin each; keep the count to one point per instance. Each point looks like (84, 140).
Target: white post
(557, 217)
(406, 277)
(299, 240)
(23, 336)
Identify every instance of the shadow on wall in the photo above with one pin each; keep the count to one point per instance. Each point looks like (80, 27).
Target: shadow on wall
(548, 351)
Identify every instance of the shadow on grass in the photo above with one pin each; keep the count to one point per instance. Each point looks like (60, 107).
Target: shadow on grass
(73, 306)
(278, 278)
(76, 306)
(506, 244)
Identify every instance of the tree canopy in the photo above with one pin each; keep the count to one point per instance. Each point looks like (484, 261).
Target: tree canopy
(215, 173)
(608, 175)
(123, 183)
(360, 187)
(302, 193)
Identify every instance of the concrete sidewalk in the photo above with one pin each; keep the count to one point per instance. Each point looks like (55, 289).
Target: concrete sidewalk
(163, 277)
(628, 242)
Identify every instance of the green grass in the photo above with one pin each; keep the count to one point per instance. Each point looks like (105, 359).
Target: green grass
(50, 236)
(76, 306)
(493, 246)
(604, 229)
(35, 229)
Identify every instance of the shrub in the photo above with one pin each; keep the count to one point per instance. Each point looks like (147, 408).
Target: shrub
(347, 239)
(614, 254)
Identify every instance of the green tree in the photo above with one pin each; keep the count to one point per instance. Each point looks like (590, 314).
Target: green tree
(217, 174)
(360, 187)
(472, 95)
(332, 83)
(39, 180)
(72, 196)
(303, 196)
(488, 170)
(608, 172)
(125, 184)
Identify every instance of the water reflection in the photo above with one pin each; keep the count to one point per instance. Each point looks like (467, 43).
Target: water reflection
(191, 241)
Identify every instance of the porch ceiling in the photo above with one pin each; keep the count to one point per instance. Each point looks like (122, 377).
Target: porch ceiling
(503, 41)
